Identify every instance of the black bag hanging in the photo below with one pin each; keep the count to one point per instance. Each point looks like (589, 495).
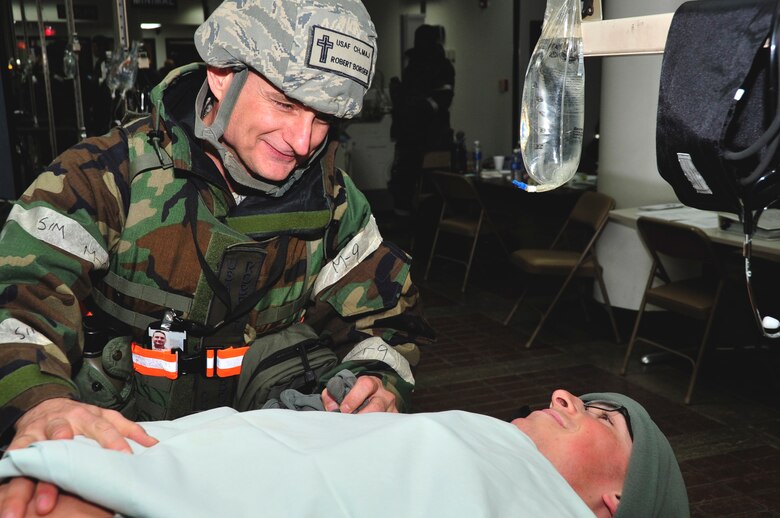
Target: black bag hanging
(718, 125)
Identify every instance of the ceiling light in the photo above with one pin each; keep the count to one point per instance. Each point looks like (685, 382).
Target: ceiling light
(151, 25)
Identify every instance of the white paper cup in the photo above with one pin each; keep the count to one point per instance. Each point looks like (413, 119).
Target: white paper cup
(498, 161)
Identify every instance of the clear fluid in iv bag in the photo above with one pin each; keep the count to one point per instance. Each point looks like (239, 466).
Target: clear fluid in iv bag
(552, 114)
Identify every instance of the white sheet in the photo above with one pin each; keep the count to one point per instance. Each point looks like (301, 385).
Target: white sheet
(280, 463)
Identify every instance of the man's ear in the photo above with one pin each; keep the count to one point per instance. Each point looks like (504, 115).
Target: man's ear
(219, 80)
(611, 501)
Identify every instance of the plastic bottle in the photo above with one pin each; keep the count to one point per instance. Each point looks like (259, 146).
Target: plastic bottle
(517, 164)
(460, 155)
(477, 158)
(552, 115)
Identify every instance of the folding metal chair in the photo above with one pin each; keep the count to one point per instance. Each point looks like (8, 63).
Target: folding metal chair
(462, 214)
(571, 255)
(696, 297)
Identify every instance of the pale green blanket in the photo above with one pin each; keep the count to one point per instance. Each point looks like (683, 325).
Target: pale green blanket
(281, 463)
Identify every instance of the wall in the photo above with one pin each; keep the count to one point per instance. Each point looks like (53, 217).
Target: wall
(629, 102)
(481, 42)
(627, 168)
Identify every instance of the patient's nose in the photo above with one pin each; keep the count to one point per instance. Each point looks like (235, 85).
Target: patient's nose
(563, 400)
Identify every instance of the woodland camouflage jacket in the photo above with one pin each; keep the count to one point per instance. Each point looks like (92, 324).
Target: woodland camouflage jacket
(81, 232)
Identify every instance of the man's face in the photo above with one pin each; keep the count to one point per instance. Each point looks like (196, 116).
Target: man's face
(158, 340)
(271, 133)
(590, 448)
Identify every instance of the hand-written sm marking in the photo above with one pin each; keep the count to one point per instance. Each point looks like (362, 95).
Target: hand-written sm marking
(51, 227)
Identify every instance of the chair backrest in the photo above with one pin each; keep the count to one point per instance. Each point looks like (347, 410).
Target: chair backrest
(440, 160)
(455, 187)
(677, 240)
(592, 209)
(585, 222)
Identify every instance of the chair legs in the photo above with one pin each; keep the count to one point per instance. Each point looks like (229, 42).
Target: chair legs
(467, 263)
(433, 246)
(471, 254)
(546, 314)
(704, 340)
(514, 308)
(549, 309)
(695, 362)
(603, 288)
(632, 340)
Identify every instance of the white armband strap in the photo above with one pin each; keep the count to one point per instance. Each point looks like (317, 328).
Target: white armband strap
(61, 232)
(376, 349)
(359, 247)
(13, 331)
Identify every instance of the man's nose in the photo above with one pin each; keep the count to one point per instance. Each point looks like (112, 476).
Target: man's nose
(564, 401)
(299, 133)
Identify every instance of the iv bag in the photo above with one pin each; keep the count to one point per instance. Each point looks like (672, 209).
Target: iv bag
(552, 109)
(69, 64)
(123, 70)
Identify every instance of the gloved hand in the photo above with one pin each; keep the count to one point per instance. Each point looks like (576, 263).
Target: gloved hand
(338, 387)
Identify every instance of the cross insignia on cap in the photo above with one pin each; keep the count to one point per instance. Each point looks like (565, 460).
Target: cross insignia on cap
(326, 45)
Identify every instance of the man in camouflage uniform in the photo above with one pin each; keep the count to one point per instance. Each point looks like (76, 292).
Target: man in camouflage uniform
(223, 206)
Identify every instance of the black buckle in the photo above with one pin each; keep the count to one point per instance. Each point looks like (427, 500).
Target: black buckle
(195, 364)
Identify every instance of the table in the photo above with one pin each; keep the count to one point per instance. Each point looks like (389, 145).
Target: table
(704, 219)
(626, 262)
(527, 219)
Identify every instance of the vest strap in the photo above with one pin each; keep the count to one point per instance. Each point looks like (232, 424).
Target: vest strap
(278, 222)
(148, 293)
(148, 161)
(124, 315)
(280, 313)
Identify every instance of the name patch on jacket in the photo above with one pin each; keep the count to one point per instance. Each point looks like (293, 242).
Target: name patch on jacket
(341, 54)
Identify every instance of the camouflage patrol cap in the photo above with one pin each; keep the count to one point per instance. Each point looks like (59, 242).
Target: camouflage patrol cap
(319, 52)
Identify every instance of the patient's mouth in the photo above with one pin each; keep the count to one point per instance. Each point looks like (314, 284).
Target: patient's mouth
(552, 413)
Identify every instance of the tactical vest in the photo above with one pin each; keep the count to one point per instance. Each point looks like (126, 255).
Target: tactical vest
(254, 258)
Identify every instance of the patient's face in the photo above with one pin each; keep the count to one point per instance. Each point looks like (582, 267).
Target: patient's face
(588, 447)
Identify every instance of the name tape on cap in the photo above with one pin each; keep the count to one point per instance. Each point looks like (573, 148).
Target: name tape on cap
(341, 54)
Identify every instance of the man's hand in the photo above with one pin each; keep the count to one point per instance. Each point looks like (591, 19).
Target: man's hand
(367, 388)
(68, 506)
(63, 418)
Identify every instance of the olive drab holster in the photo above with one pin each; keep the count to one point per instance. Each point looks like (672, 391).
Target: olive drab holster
(294, 358)
(105, 379)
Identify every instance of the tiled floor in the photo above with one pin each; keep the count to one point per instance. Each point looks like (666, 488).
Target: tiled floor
(727, 440)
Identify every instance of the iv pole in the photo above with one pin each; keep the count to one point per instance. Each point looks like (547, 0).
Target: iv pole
(75, 47)
(47, 81)
(29, 57)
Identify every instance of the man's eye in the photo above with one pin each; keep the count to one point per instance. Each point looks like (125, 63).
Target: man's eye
(326, 119)
(284, 106)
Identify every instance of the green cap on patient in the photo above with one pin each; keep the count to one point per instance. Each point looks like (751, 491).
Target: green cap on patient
(319, 52)
(654, 486)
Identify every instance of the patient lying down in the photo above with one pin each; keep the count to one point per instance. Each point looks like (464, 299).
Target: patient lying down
(600, 454)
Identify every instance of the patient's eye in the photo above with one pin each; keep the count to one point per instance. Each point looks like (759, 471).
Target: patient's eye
(602, 414)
